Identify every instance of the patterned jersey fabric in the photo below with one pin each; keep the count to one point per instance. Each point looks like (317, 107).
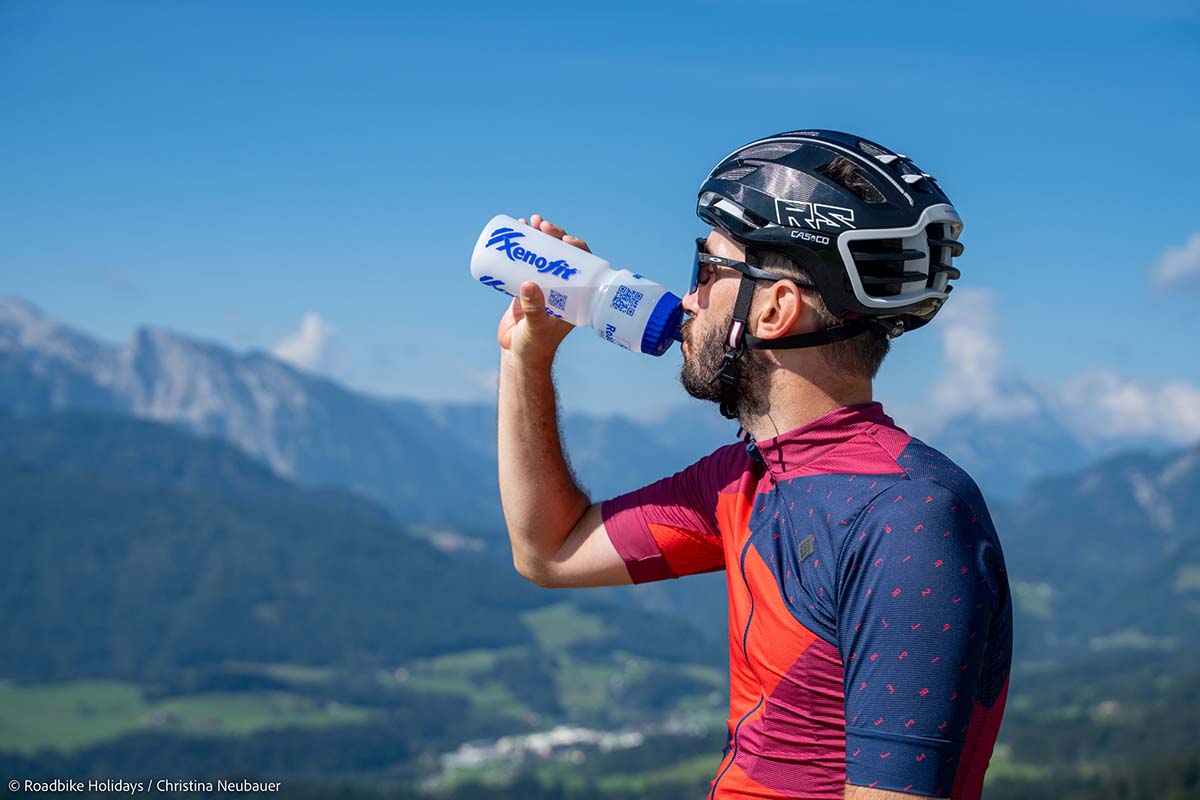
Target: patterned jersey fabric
(870, 623)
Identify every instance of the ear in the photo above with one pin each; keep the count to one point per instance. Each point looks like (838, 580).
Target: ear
(781, 310)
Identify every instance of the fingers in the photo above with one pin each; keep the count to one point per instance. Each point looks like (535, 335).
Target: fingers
(538, 221)
(546, 226)
(577, 242)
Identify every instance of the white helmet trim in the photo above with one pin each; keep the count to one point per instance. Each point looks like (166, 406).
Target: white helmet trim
(914, 238)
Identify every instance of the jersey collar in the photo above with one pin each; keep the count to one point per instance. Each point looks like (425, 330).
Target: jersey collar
(794, 449)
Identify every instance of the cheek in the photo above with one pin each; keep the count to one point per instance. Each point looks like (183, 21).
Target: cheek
(712, 294)
(712, 334)
(717, 311)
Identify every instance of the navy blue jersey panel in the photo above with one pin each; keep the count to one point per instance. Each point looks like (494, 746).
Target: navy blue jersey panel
(798, 529)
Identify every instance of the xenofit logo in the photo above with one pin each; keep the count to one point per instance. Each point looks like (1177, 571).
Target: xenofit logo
(792, 214)
(505, 240)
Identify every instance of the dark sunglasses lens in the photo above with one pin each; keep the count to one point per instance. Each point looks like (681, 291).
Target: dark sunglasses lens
(695, 271)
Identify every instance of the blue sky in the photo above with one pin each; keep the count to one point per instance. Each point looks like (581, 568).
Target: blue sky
(311, 177)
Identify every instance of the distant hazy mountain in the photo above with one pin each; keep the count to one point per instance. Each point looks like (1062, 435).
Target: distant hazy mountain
(1108, 556)
(1003, 453)
(1023, 432)
(429, 463)
(432, 465)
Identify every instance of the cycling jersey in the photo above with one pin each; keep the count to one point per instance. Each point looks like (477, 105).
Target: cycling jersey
(870, 623)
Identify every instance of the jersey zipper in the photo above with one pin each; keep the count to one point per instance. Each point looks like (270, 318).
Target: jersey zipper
(713, 792)
(745, 653)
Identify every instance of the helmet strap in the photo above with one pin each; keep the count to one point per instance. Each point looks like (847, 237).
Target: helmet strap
(735, 347)
(838, 333)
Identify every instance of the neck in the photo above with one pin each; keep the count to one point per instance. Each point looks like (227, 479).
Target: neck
(795, 401)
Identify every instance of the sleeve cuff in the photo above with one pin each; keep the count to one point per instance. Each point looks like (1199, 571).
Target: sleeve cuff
(627, 529)
(913, 764)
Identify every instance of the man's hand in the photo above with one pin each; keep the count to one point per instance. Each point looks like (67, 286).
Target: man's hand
(526, 331)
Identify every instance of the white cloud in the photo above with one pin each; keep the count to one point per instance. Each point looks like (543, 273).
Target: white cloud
(1098, 405)
(308, 347)
(1179, 265)
(972, 377)
(1102, 405)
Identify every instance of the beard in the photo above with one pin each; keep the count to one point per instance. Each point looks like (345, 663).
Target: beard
(706, 352)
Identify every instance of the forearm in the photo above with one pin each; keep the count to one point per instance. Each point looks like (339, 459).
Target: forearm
(540, 498)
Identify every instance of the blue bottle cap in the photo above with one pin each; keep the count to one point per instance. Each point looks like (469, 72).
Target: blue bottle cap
(662, 328)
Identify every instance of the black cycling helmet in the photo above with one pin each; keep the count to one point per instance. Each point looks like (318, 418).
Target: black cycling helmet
(877, 235)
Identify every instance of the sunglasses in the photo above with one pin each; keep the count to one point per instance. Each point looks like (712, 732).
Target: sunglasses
(705, 266)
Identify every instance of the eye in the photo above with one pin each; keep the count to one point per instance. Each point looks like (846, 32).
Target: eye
(705, 274)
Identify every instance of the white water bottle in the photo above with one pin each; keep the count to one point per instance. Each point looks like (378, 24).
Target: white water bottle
(621, 306)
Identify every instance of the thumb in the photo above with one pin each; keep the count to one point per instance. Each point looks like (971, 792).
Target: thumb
(533, 304)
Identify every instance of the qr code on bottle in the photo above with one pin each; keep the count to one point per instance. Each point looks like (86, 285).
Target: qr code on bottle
(627, 300)
(558, 300)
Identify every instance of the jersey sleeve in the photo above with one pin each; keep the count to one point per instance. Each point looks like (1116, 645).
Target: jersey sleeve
(921, 602)
(669, 528)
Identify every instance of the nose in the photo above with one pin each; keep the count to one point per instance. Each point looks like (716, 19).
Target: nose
(691, 304)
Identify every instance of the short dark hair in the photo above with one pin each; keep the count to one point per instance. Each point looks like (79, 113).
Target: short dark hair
(860, 355)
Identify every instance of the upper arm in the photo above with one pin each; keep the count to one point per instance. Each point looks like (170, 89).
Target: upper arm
(921, 614)
(587, 557)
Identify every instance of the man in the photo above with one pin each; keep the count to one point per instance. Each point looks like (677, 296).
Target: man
(869, 615)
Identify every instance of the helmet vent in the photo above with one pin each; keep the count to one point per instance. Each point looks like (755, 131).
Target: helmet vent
(735, 174)
(755, 219)
(872, 150)
(943, 249)
(849, 176)
(769, 152)
(881, 266)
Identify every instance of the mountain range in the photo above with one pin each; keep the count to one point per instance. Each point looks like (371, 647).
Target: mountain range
(427, 462)
(1108, 556)
(198, 578)
(112, 522)
(224, 529)
(172, 606)
(432, 466)
(430, 463)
